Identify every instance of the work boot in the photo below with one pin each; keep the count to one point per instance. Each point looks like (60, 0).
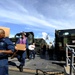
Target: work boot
(21, 68)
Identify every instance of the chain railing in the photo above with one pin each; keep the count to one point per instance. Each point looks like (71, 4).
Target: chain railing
(70, 58)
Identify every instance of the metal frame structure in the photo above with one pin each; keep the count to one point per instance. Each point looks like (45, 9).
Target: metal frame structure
(70, 58)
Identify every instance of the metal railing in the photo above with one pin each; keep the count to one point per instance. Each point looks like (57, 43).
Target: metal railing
(70, 58)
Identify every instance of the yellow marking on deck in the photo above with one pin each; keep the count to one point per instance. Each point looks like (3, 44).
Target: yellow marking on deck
(33, 71)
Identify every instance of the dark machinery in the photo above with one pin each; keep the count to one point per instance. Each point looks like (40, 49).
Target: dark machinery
(29, 35)
(63, 37)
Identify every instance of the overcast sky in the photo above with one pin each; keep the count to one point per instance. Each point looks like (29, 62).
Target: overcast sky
(39, 16)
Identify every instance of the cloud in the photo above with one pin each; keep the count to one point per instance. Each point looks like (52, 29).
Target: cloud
(24, 19)
(41, 16)
(14, 12)
(11, 35)
(12, 6)
(45, 36)
(18, 13)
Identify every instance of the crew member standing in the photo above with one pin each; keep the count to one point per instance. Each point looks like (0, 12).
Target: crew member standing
(6, 48)
(32, 51)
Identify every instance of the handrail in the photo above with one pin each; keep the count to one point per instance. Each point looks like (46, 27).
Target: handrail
(70, 60)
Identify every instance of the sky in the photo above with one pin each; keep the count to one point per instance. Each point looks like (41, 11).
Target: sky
(42, 17)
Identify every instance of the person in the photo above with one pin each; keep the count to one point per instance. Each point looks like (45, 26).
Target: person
(32, 51)
(44, 50)
(21, 55)
(47, 49)
(50, 51)
(6, 48)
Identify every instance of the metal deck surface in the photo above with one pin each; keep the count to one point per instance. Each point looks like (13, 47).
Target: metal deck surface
(38, 63)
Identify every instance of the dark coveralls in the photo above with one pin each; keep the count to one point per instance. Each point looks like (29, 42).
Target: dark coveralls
(21, 55)
(5, 44)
